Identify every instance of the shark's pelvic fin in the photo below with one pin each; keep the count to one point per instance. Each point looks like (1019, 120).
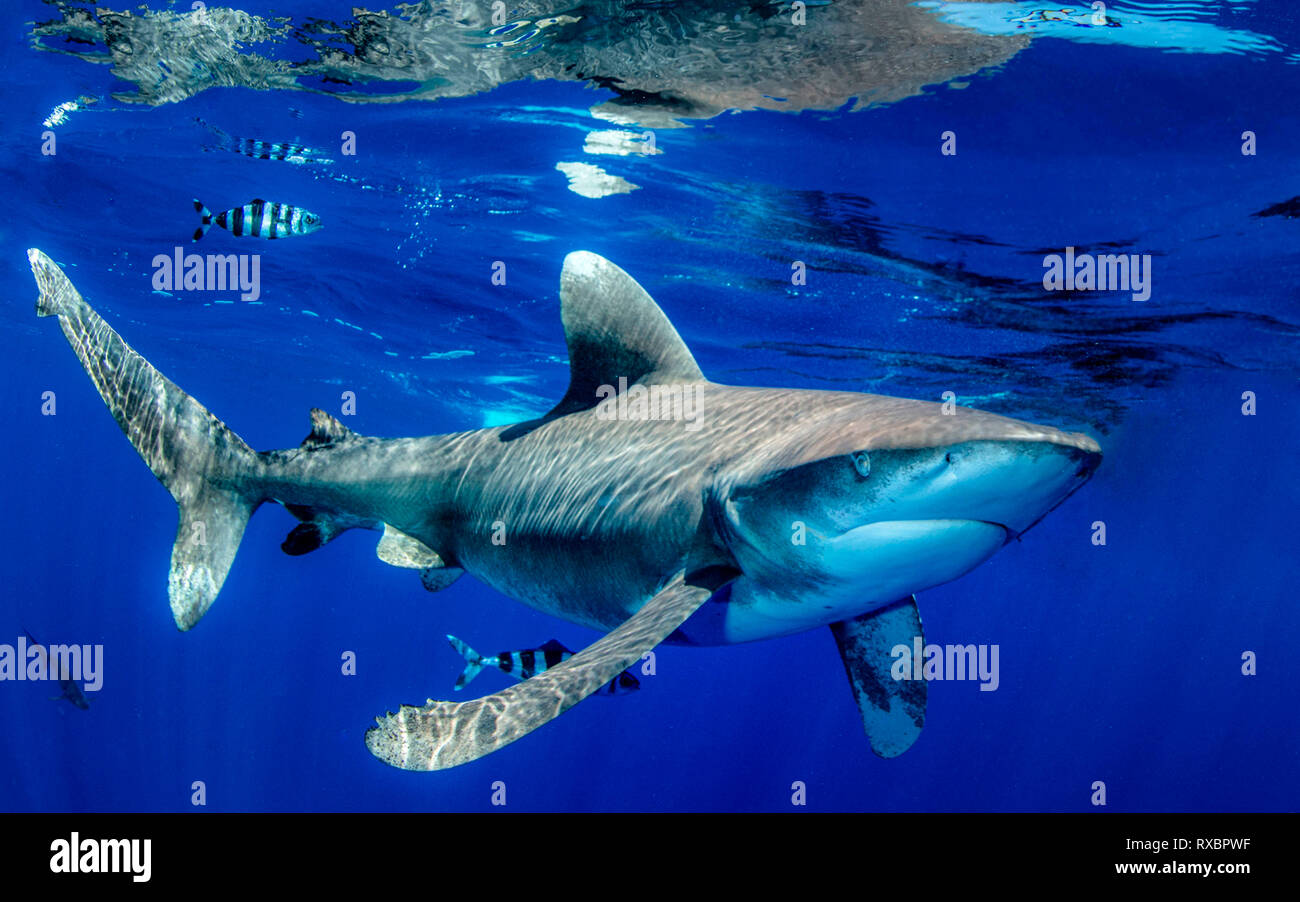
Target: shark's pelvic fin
(439, 735)
(893, 711)
(206, 467)
(614, 330)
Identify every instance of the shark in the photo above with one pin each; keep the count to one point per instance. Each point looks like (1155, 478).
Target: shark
(772, 512)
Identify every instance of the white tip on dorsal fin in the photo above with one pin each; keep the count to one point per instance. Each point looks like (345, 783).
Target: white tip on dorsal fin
(326, 430)
(614, 331)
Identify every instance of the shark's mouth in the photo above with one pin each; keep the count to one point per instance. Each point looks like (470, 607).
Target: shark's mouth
(912, 555)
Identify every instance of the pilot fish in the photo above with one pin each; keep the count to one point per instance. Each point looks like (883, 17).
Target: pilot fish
(260, 219)
(287, 151)
(529, 662)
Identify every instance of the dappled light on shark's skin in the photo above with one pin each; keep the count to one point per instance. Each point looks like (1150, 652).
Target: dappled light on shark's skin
(647, 492)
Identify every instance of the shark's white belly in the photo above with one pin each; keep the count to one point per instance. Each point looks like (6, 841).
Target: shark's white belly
(860, 571)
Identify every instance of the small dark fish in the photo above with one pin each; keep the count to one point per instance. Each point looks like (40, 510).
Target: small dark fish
(1288, 208)
(529, 662)
(70, 690)
(259, 219)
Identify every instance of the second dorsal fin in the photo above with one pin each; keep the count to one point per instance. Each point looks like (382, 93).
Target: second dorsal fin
(614, 331)
(326, 430)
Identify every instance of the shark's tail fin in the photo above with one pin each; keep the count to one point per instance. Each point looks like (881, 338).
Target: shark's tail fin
(208, 469)
(474, 662)
(206, 217)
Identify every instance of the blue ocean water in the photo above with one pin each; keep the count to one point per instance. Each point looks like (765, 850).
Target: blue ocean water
(1119, 663)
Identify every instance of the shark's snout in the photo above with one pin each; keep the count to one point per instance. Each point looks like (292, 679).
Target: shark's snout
(1088, 462)
(1012, 484)
(1077, 464)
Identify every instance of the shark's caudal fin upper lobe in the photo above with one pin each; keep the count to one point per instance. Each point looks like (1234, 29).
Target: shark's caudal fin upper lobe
(208, 469)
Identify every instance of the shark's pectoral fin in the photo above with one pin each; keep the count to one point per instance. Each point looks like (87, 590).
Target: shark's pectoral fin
(893, 711)
(401, 550)
(439, 735)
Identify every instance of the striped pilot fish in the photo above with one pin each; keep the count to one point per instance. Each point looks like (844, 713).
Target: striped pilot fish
(288, 151)
(529, 662)
(260, 219)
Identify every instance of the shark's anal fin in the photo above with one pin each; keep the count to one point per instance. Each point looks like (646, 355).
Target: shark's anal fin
(893, 711)
(439, 735)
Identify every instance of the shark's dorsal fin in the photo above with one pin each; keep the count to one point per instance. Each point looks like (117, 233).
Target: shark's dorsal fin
(614, 330)
(326, 430)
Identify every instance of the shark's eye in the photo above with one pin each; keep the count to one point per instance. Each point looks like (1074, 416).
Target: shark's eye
(861, 463)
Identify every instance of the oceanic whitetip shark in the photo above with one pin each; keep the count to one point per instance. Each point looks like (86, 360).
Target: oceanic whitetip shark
(778, 510)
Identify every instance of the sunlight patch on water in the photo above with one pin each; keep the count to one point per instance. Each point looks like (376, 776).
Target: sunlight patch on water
(506, 416)
(1183, 27)
(592, 181)
(620, 143)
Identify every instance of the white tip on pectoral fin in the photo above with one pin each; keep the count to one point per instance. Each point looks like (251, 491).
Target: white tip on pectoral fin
(439, 735)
